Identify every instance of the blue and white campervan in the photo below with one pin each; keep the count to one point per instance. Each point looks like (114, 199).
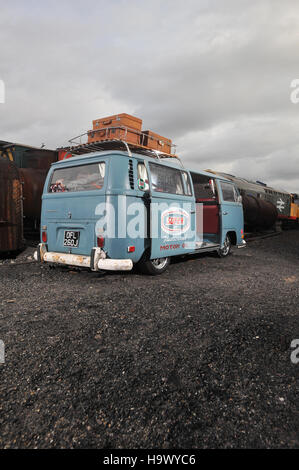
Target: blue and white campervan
(111, 210)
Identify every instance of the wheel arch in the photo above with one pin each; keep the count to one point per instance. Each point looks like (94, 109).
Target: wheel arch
(233, 236)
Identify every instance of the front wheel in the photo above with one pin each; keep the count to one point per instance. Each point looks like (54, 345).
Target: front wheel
(154, 266)
(225, 250)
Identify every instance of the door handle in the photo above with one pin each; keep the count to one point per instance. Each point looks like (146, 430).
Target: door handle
(224, 213)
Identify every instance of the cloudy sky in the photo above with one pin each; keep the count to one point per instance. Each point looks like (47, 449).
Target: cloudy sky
(213, 75)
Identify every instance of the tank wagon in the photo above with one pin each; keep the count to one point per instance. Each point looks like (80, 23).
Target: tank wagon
(23, 170)
(263, 205)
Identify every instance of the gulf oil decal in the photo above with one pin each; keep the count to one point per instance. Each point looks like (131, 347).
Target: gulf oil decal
(175, 221)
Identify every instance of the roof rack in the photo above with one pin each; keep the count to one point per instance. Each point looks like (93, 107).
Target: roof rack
(116, 144)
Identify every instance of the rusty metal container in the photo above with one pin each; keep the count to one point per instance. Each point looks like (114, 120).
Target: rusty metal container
(22, 173)
(40, 159)
(11, 213)
(33, 184)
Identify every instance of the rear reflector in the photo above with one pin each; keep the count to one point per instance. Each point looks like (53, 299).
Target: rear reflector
(44, 237)
(100, 242)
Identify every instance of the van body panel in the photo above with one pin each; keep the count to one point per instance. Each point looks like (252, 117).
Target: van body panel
(123, 210)
(167, 212)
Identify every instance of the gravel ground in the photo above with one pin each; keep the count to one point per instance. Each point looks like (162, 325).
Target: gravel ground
(198, 357)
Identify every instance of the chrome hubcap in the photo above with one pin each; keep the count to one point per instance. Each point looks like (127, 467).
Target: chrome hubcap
(226, 246)
(159, 263)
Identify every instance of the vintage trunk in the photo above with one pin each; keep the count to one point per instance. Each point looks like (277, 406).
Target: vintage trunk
(120, 126)
(157, 142)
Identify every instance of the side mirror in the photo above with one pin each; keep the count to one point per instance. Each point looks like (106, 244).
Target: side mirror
(239, 199)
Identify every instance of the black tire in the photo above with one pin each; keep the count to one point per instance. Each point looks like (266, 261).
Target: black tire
(226, 249)
(153, 267)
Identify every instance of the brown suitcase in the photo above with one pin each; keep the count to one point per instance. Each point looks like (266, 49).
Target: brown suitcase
(157, 142)
(118, 120)
(120, 126)
(131, 136)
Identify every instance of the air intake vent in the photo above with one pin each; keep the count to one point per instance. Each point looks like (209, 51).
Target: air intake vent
(131, 174)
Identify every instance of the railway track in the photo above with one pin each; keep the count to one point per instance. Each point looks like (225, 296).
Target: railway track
(252, 237)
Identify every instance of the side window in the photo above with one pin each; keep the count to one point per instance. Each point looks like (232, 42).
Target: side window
(204, 188)
(166, 180)
(228, 192)
(143, 182)
(186, 179)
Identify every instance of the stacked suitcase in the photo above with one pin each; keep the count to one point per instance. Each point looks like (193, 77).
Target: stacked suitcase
(120, 126)
(129, 128)
(157, 142)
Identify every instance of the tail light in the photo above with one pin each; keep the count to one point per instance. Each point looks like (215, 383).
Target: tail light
(131, 249)
(44, 237)
(100, 242)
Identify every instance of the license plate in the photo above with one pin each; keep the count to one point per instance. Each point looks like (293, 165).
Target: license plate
(71, 238)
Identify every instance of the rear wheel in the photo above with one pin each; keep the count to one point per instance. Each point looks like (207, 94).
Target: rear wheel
(226, 249)
(154, 266)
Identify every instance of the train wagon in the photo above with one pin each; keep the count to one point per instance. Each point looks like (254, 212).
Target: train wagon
(23, 172)
(262, 204)
(11, 207)
(294, 216)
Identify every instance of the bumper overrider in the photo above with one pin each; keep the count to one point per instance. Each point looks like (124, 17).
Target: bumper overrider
(97, 260)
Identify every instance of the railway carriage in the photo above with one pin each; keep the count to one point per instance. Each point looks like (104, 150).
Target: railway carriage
(263, 205)
(23, 170)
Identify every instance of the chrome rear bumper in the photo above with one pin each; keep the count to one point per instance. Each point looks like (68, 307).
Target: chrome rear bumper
(97, 261)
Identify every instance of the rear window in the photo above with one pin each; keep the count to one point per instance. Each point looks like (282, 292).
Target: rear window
(78, 178)
(166, 180)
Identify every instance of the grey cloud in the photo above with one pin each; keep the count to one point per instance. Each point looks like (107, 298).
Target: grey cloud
(215, 77)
